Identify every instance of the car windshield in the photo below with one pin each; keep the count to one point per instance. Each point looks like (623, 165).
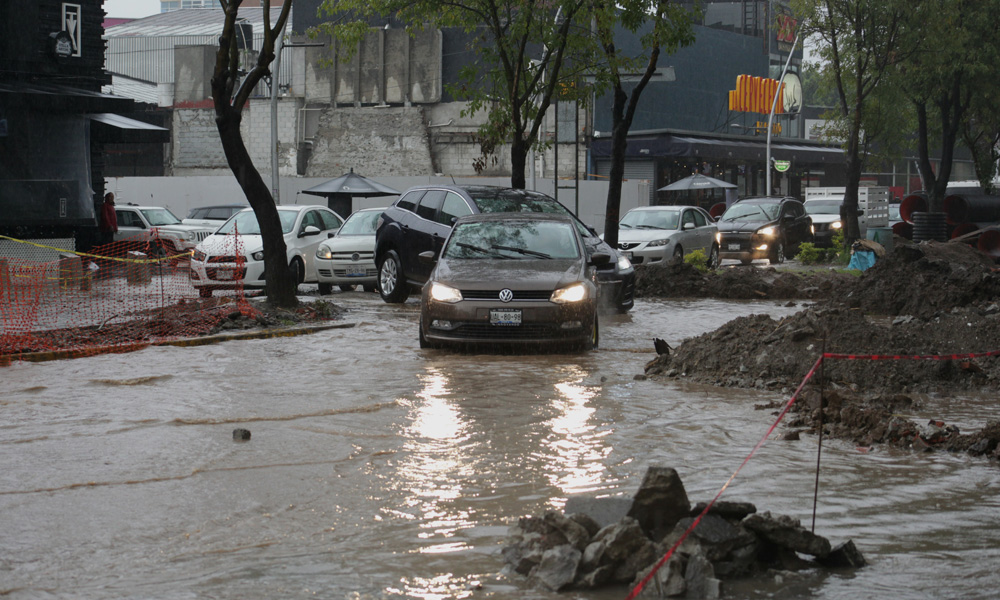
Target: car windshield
(505, 201)
(755, 211)
(360, 223)
(823, 207)
(245, 223)
(514, 239)
(159, 216)
(650, 219)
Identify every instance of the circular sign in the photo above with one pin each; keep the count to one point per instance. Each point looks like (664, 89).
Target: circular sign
(782, 165)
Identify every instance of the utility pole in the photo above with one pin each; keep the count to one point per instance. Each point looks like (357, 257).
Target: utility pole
(774, 104)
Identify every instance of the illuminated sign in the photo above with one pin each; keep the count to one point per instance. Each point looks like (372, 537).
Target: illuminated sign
(782, 165)
(755, 94)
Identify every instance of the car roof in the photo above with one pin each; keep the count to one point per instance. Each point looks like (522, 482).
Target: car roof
(140, 207)
(669, 207)
(762, 199)
(295, 207)
(221, 206)
(515, 216)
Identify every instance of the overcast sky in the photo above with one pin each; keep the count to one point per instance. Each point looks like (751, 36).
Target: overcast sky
(131, 9)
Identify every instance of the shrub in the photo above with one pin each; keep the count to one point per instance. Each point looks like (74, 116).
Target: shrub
(697, 259)
(809, 254)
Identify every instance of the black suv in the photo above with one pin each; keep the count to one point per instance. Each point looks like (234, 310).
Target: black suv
(770, 228)
(423, 216)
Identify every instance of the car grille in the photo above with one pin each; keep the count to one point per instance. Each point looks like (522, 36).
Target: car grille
(519, 295)
(626, 245)
(343, 272)
(523, 331)
(821, 226)
(222, 259)
(235, 274)
(727, 239)
(351, 256)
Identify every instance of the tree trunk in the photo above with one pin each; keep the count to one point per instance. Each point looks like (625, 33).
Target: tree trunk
(849, 207)
(280, 284)
(518, 159)
(619, 142)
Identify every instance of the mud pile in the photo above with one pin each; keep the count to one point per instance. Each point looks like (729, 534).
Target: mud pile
(940, 301)
(681, 280)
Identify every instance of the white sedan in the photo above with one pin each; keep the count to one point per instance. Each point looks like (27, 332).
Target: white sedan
(348, 258)
(233, 257)
(653, 234)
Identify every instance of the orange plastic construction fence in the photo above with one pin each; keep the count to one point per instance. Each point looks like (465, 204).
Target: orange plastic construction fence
(119, 295)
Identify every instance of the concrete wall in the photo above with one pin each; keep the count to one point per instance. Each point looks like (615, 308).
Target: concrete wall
(181, 194)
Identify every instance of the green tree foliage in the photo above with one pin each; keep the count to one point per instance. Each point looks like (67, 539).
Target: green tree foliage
(526, 50)
(230, 92)
(664, 29)
(859, 42)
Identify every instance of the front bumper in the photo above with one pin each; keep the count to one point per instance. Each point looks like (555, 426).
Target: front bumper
(227, 275)
(642, 254)
(346, 272)
(543, 323)
(745, 246)
(616, 289)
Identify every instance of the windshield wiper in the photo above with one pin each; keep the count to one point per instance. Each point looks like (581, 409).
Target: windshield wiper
(649, 227)
(626, 226)
(475, 248)
(521, 251)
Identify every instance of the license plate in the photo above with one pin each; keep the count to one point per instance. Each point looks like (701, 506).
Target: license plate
(505, 317)
(734, 246)
(224, 274)
(355, 271)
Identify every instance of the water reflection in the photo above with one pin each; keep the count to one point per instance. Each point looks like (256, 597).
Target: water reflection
(576, 454)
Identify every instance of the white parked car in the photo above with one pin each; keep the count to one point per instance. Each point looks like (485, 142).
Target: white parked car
(212, 216)
(233, 256)
(143, 224)
(653, 234)
(348, 258)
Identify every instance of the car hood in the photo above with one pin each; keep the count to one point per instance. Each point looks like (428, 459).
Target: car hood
(180, 227)
(351, 243)
(487, 274)
(743, 226)
(215, 245)
(633, 236)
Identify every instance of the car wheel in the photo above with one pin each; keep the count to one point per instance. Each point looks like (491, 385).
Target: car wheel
(595, 337)
(391, 285)
(423, 341)
(346, 287)
(678, 254)
(713, 257)
(325, 288)
(778, 256)
(204, 292)
(299, 269)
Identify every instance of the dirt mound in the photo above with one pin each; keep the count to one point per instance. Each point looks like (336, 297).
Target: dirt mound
(923, 280)
(680, 280)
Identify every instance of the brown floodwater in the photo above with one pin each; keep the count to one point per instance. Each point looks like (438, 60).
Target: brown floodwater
(379, 470)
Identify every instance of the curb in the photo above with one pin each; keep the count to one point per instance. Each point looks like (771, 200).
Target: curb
(181, 343)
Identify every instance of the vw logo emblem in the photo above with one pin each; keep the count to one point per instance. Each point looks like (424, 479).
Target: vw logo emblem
(355, 257)
(506, 295)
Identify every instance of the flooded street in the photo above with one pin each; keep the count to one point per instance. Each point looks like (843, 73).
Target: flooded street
(379, 470)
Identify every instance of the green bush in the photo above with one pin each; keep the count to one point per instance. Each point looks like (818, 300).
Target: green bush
(697, 259)
(809, 254)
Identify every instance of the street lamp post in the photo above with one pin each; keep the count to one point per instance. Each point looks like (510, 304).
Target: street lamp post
(774, 104)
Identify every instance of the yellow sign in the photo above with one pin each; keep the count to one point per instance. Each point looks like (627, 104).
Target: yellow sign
(755, 94)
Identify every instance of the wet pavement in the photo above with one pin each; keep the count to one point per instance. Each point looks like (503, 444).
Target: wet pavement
(379, 470)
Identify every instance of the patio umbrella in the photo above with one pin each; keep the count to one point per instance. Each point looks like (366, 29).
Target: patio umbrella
(696, 182)
(339, 191)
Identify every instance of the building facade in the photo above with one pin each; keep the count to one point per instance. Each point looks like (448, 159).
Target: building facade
(54, 120)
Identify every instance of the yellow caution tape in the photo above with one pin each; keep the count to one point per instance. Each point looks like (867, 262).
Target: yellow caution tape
(98, 256)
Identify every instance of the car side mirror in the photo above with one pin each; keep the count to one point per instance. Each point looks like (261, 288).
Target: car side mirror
(687, 226)
(428, 257)
(309, 230)
(600, 259)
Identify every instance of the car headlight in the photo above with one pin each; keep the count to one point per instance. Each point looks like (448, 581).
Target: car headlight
(623, 263)
(718, 237)
(657, 243)
(324, 252)
(443, 293)
(570, 293)
(258, 255)
(766, 231)
(836, 225)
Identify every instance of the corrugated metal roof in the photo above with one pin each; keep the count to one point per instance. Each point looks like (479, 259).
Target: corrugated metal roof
(140, 91)
(191, 21)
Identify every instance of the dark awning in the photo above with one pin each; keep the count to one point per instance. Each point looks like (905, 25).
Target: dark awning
(671, 145)
(47, 97)
(116, 129)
